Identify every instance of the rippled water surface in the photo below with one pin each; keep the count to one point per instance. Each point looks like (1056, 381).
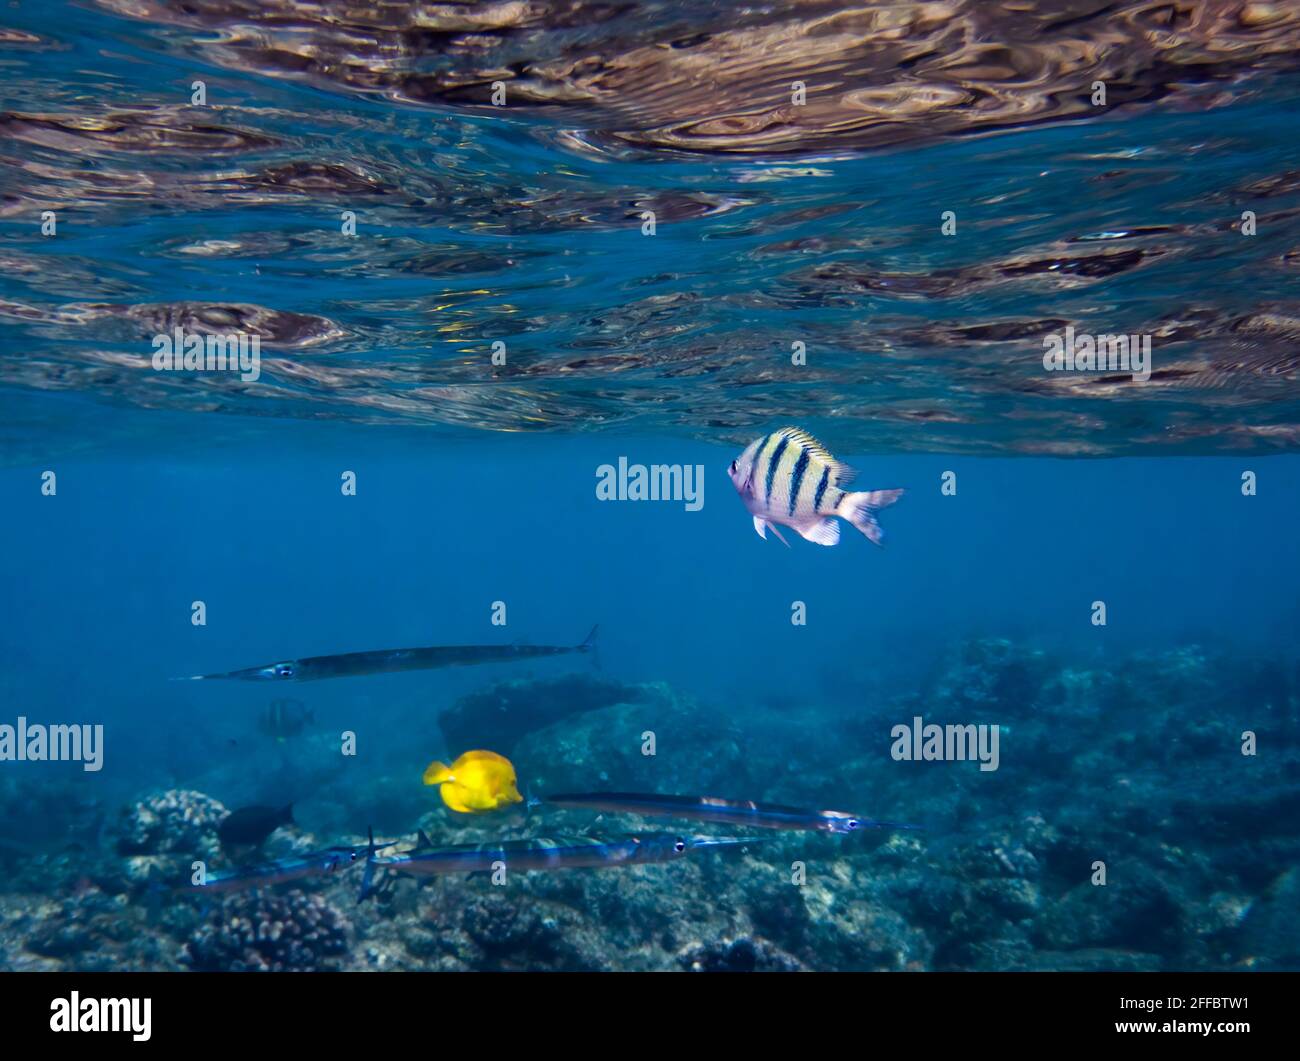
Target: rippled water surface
(775, 223)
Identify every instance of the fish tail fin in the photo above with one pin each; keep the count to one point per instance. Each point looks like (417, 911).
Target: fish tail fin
(368, 876)
(860, 508)
(436, 773)
(589, 646)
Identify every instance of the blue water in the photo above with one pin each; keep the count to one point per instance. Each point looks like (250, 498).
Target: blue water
(476, 483)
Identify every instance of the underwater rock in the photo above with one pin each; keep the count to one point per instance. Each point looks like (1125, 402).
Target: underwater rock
(1271, 931)
(87, 930)
(48, 815)
(501, 716)
(849, 934)
(521, 927)
(1137, 909)
(1016, 900)
(1184, 677)
(992, 676)
(1018, 956)
(778, 911)
(520, 934)
(747, 955)
(266, 932)
(61, 937)
(695, 751)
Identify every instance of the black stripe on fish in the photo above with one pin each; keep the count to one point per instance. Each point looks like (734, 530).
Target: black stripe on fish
(821, 489)
(800, 469)
(758, 460)
(771, 467)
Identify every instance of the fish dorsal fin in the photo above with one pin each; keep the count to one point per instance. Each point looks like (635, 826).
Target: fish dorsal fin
(422, 841)
(840, 471)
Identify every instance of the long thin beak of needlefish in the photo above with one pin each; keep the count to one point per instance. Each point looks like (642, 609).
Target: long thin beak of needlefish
(248, 674)
(725, 841)
(869, 823)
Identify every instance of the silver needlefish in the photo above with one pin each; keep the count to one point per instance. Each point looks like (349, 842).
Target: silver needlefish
(321, 863)
(518, 856)
(789, 478)
(387, 661)
(722, 811)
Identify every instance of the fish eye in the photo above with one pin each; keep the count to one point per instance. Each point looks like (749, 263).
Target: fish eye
(853, 823)
(680, 846)
(284, 670)
(734, 466)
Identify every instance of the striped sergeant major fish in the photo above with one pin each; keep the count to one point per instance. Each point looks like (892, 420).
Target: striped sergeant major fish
(519, 856)
(723, 811)
(790, 478)
(321, 863)
(385, 661)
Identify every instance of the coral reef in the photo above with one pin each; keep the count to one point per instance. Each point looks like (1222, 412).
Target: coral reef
(262, 931)
(162, 833)
(1123, 829)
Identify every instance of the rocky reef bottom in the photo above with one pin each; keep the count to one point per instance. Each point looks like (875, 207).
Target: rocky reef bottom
(1143, 815)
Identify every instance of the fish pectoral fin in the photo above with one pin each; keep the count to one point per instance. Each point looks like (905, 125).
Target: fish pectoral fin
(822, 531)
(761, 525)
(454, 797)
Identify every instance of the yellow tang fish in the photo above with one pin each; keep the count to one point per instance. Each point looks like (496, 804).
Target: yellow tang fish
(475, 783)
(789, 478)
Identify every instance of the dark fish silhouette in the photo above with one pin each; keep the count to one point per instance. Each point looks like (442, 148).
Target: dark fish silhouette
(252, 825)
(385, 661)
